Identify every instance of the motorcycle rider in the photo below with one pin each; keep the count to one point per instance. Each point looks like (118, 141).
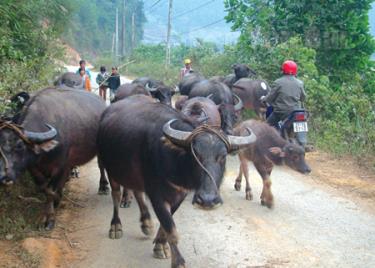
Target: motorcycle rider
(287, 94)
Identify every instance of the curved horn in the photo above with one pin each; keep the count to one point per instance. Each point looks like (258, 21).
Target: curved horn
(40, 137)
(178, 137)
(239, 104)
(210, 96)
(240, 141)
(151, 89)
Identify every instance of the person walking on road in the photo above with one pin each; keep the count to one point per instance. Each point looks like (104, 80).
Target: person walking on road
(82, 65)
(114, 82)
(86, 84)
(187, 69)
(101, 80)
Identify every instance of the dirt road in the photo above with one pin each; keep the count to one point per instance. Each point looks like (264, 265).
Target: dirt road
(311, 226)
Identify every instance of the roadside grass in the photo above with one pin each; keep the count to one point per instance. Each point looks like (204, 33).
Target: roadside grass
(20, 210)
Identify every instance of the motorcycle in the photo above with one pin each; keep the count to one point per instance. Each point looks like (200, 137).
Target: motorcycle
(294, 128)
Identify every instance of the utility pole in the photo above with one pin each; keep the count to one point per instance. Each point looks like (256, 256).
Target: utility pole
(123, 32)
(133, 31)
(116, 36)
(168, 50)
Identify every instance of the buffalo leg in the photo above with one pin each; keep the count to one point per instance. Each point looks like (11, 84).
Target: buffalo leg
(164, 211)
(146, 222)
(115, 232)
(53, 197)
(103, 183)
(264, 169)
(237, 184)
(126, 199)
(245, 170)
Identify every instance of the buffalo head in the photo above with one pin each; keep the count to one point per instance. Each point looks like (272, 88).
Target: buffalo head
(293, 156)
(20, 148)
(242, 70)
(162, 93)
(229, 113)
(208, 147)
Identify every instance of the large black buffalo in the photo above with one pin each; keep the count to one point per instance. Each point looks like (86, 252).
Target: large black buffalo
(151, 147)
(187, 83)
(70, 80)
(157, 89)
(56, 131)
(221, 95)
(250, 91)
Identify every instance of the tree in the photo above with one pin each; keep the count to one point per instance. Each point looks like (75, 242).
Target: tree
(93, 25)
(337, 29)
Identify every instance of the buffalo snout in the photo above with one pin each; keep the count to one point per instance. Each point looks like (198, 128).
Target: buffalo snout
(6, 181)
(207, 200)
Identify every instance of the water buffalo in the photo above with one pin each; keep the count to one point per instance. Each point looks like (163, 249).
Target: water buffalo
(268, 150)
(153, 148)
(70, 80)
(157, 89)
(223, 96)
(180, 101)
(187, 83)
(128, 89)
(250, 91)
(56, 131)
(202, 110)
(240, 71)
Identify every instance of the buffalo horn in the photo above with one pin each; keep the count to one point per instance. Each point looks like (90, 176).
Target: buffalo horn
(151, 89)
(178, 137)
(240, 141)
(239, 105)
(40, 137)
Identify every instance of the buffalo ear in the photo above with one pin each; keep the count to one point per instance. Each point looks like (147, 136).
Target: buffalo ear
(277, 151)
(45, 147)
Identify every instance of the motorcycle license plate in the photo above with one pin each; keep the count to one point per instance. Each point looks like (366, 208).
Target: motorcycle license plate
(300, 127)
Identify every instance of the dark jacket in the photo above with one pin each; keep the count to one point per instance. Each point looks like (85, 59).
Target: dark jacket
(286, 95)
(114, 82)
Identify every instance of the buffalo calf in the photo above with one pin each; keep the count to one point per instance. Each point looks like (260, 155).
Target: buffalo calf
(269, 149)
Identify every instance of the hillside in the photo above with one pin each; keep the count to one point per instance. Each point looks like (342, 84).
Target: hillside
(189, 21)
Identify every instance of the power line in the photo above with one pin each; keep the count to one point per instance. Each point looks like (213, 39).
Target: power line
(193, 9)
(155, 6)
(203, 27)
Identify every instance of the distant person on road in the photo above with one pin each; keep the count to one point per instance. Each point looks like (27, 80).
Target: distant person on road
(113, 82)
(101, 80)
(86, 84)
(287, 94)
(82, 65)
(187, 69)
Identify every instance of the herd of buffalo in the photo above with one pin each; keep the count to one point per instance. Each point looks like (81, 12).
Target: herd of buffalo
(146, 145)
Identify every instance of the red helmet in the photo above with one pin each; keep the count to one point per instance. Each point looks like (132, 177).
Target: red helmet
(289, 67)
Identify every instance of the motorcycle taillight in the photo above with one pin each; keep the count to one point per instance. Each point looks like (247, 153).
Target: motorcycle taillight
(300, 117)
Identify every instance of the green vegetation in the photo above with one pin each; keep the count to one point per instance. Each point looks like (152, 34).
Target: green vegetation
(28, 47)
(20, 209)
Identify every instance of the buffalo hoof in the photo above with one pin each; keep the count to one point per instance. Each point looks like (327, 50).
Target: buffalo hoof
(116, 231)
(47, 225)
(180, 263)
(249, 195)
(103, 190)
(147, 227)
(268, 204)
(237, 186)
(125, 203)
(162, 251)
